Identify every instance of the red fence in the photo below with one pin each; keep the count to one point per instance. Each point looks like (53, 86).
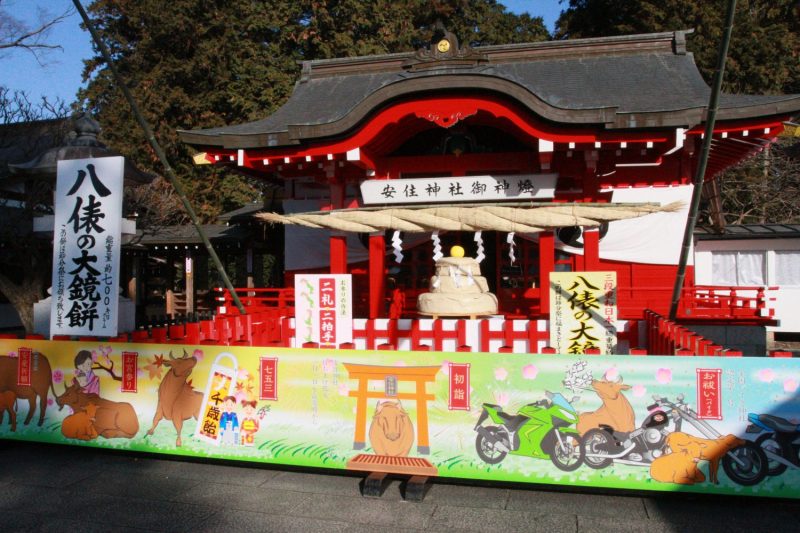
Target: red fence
(256, 300)
(665, 337)
(701, 302)
(726, 303)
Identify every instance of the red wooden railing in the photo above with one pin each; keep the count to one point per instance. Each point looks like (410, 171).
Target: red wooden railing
(256, 300)
(701, 302)
(666, 337)
(727, 303)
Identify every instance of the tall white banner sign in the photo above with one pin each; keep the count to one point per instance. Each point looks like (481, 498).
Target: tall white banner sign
(86, 247)
(323, 306)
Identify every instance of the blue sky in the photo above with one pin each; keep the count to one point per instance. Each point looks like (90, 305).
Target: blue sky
(60, 75)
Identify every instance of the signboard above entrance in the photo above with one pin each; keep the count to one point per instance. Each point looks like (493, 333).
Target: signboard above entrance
(459, 189)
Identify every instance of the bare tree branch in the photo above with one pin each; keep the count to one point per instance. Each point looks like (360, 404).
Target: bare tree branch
(16, 34)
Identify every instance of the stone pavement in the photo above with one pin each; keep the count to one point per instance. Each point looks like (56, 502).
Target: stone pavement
(60, 488)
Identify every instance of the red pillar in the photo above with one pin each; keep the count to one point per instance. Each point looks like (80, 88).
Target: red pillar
(338, 245)
(591, 249)
(547, 263)
(377, 278)
(338, 241)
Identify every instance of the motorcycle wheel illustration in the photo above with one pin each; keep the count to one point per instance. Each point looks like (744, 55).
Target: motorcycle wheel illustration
(569, 456)
(488, 450)
(746, 465)
(595, 442)
(768, 443)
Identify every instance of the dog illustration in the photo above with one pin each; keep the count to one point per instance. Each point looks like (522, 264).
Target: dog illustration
(391, 432)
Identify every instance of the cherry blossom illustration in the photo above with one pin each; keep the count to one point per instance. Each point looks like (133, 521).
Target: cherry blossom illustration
(766, 375)
(530, 372)
(664, 376)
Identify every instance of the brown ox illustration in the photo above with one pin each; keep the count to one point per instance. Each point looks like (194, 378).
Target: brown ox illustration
(391, 431)
(616, 410)
(113, 419)
(7, 400)
(688, 451)
(177, 400)
(80, 425)
(41, 380)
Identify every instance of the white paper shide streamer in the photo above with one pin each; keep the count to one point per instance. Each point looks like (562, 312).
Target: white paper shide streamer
(397, 247)
(437, 246)
(510, 241)
(480, 256)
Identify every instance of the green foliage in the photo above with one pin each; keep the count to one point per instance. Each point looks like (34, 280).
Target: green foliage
(764, 57)
(206, 63)
(764, 53)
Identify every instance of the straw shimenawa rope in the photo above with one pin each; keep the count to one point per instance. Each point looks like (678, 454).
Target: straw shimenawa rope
(476, 218)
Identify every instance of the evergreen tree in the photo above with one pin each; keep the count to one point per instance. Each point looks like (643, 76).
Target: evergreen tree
(205, 63)
(764, 57)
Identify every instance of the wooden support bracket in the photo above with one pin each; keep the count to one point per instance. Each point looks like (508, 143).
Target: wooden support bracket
(415, 489)
(374, 485)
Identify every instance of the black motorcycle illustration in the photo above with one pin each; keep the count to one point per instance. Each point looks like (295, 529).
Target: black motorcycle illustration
(603, 446)
(745, 465)
(780, 440)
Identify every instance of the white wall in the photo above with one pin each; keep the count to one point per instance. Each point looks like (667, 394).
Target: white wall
(787, 304)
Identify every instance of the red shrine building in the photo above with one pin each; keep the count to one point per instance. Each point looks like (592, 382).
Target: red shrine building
(561, 156)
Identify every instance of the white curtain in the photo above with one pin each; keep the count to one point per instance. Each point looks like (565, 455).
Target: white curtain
(787, 268)
(723, 268)
(750, 268)
(742, 269)
(653, 239)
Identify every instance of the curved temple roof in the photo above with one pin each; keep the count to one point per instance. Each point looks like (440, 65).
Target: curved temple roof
(631, 81)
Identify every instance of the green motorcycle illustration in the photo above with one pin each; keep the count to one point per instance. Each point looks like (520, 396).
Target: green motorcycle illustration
(544, 430)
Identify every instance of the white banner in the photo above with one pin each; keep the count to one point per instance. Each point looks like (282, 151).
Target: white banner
(323, 308)
(86, 247)
(459, 189)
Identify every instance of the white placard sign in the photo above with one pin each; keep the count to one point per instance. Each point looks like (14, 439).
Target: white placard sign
(86, 247)
(323, 308)
(459, 189)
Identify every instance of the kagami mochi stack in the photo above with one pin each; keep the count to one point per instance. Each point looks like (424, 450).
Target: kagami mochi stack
(457, 289)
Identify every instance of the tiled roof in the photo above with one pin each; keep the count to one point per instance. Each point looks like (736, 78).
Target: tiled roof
(186, 234)
(749, 231)
(630, 81)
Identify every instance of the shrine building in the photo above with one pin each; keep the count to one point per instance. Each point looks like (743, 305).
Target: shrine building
(559, 156)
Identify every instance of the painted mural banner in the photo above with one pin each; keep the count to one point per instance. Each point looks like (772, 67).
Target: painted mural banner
(584, 311)
(694, 424)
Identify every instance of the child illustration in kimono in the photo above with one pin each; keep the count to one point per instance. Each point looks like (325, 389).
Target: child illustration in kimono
(229, 422)
(84, 374)
(249, 423)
